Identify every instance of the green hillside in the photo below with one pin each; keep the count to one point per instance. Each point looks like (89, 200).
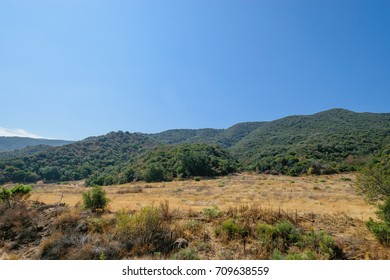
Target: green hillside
(76, 161)
(332, 141)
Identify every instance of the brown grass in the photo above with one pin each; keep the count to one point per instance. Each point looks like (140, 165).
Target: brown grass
(328, 194)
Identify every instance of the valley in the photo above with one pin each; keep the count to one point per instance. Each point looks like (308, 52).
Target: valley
(326, 194)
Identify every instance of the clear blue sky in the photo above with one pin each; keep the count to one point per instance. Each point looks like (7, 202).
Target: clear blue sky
(70, 69)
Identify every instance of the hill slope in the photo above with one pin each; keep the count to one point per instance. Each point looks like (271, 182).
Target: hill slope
(337, 137)
(332, 141)
(76, 161)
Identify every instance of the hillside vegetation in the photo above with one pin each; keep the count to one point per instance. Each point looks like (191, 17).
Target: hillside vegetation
(76, 161)
(332, 141)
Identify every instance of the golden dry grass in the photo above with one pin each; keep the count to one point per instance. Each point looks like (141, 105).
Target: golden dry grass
(328, 194)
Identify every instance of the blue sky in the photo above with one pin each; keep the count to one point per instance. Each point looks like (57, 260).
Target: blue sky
(75, 68)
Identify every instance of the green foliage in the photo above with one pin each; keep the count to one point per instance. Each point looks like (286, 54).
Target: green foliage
(374, 183)
(95, 199)
(332, 141)
(374, 180)
(96, 158)
(5, 195)
(380, 230)
(280, 239)
(212, 213)
(384, 211)
(21, 189)
(154, 173)
(185, 161)
(231, 229)
(279, 236)
(17, 192)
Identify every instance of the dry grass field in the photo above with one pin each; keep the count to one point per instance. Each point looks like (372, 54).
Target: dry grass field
(328, 194)
(230, 217)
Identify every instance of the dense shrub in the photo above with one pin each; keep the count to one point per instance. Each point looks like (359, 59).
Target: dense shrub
(380, 230)
(16, 193)
(231, 229)
(374, 183)
(185, 161)
(95, 199)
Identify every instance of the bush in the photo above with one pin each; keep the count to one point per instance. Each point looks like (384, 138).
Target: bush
(380, 230)
(212, 212)
(283, 240)
(154, 173)
(15, 193)
(384, 211)
(95, 199)
(279, 236)
(141, 226)
(231, 229)
(5, 195)
(374, 183)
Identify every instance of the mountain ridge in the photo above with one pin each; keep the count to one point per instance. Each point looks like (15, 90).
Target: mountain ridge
(331, 141)
(10, 143)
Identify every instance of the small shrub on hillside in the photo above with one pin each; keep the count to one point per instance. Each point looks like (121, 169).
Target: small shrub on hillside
(95, 199)
(144, 232)
(99, 225)
(193, 225)
(212, 213)
(231, 229)
(279, 236)
(284, 241)
(321, 243)
(5, 195)
(16, 193)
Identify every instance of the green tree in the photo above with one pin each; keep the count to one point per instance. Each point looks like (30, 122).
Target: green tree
(374, 183)
(95, 199)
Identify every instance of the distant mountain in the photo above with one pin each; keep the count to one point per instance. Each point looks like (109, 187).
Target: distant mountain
(332, 141)
(15, 143)
(27, 151)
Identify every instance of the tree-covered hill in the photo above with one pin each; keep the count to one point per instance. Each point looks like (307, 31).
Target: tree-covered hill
(24, 152)
(168, 162)
(223, 137)
(336, 140)
(76, 161)
(332, 140)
